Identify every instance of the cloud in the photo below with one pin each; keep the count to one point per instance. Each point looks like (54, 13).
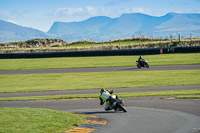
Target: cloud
(14, 15)
(67, 11)
(142, 10)
(116, 2)
(5, 13)
(91, 10)
(8, 16)
(77, 14)
(135, 10)
(12, 21)
(85, 11)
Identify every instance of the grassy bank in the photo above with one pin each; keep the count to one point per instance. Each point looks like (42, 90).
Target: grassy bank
(122, 95)
(93, 80)
(106, 61)
(29, 120)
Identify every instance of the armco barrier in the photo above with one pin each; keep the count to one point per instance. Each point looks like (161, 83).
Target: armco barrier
(102, 53)
(193, 49)
(81, 53)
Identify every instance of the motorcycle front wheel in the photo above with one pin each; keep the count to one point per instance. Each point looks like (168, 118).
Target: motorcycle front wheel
(138, 65)
(121, 107)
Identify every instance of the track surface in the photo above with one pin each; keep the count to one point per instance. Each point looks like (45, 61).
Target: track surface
(101, 69)
(146, 120)
(148, 114)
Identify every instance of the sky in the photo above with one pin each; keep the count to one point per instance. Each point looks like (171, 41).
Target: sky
(41, 14)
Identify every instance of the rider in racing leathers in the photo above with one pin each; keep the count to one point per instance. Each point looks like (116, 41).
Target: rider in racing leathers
(105, 96)
(140, 58)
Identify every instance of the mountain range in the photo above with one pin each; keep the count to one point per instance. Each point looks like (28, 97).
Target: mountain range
(12, 32)
(102, 28)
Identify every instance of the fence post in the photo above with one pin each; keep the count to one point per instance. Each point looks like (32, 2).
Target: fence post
(179, 37)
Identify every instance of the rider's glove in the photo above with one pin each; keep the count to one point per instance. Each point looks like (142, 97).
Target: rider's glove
(109, 99)
(111, 92)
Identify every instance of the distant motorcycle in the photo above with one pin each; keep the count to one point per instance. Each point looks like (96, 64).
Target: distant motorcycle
(142, 63)
(117, 104)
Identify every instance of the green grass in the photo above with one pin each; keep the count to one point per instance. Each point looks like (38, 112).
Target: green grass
(30, 120)
(22, 120)
(105, 61)
(160, 93)
(188, 97)
(124, 42)
(122, 95)
(94, 80)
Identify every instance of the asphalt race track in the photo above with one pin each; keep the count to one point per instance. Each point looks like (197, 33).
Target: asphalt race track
(145, 114)
(146, 120)
(101, 69)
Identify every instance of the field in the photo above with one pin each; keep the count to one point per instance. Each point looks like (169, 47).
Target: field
(29, 120)
(189, 94)
(105, 61)
(95, 80)
(57, 121)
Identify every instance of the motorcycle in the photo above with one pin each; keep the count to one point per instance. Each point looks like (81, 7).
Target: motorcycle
(142, 63)
(117, 104)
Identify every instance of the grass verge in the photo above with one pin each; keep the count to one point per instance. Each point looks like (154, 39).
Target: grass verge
(102, 61)
(188, 97)
(125, 94)
(31, 120)
(94, 80)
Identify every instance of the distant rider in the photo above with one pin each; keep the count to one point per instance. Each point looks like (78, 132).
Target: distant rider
(105, 96)
(140, 58)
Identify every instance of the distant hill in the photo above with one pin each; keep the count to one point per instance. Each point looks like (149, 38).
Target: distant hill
(12, 32)
(105, 28)
(180, 22)
(102, 28)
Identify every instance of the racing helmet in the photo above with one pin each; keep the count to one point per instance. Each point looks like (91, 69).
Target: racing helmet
(102, 90)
